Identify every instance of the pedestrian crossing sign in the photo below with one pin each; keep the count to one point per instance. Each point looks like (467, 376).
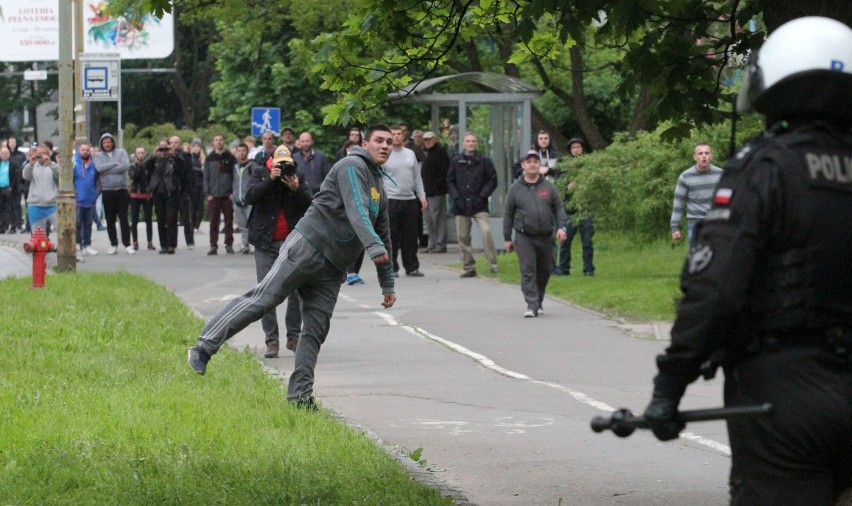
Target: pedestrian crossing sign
(265, 119)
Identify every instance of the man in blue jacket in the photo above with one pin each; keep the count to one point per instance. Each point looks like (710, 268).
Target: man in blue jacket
(348, 215)
(86, 195)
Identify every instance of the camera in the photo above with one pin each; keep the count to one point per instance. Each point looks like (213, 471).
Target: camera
(163, 150)
(287, 169)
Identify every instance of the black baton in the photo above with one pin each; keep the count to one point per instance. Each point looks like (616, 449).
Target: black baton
(623, 422)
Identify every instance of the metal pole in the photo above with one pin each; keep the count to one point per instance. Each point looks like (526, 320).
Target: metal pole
(81, 111)
(65, 208)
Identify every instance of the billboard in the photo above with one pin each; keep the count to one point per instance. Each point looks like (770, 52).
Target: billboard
(31, 31)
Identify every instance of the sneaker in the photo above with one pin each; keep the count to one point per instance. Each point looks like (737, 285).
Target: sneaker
(112, 250)
(198, 359)
(540, 311)
(212, 251)
(229, 250)
(494, 269)
(151, 246)
(530, 313)
(80, 259)
(190, 246)
(90, 251)
(352, 278)
(271, 349)
(170, 251)
(468, 274)
(164, 251)
(135, 246)
(246, 251)
(292, 342)
(130, 250)
(415, 274)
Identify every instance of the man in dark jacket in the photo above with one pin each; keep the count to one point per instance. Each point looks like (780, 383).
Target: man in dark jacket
(278, 198)
(218, 186)
(471, 180)
(434, 171)
(185, 211)
(164, 182)
(533, 207)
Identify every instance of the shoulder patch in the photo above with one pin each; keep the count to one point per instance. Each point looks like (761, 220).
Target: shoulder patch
(723, 196)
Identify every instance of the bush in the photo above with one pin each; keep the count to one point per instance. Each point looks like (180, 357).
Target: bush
(629, 186)
(149, 137)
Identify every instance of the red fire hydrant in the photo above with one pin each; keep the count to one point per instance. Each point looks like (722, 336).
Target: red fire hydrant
(38, 245)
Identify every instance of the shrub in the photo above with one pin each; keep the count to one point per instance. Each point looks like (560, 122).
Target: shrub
(629, 186)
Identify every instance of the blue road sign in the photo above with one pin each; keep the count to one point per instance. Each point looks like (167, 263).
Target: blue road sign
(265, 119)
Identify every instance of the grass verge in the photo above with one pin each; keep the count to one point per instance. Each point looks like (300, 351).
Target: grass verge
(97, 406)
(632, 280)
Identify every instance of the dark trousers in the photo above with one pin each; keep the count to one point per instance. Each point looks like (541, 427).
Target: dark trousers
(586, 228)
(16, 209)
(355, 268)
(801, 454)
(187, 219)
(85, 219)
(117, 204)
(197, 197)
(147, 207)
(263, 261)
(535, 258)
(404, 216)
(225, 206)
(166, 207)
(7, 215)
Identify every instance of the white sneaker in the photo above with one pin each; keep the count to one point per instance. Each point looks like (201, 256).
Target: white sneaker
(90, 251)
(112, 250)
(529, 314)
(130, 250)
(80, 259)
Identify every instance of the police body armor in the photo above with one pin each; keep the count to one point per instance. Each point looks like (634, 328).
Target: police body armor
(804, 288)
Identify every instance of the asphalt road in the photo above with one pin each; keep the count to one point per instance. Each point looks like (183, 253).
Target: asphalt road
(499, 404)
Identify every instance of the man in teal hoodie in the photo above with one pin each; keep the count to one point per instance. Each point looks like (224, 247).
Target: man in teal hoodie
(348, 215)
(86, 195)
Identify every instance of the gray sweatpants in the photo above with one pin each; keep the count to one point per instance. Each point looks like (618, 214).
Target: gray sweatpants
(535, 258)
(299, 266)
(264, 260)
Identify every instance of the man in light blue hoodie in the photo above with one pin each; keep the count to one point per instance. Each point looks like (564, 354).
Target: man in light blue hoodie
(86, 195)
(347, 216)
(112, 165)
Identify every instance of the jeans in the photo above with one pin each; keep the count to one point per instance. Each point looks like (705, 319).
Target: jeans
(148, 209)
(586, 228)
(85, 219)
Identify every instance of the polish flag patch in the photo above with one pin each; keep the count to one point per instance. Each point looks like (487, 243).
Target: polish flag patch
(723, 196)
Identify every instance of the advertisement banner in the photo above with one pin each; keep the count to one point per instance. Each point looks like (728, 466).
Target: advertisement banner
(30, 30)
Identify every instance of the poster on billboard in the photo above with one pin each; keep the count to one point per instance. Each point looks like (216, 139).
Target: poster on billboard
(30, 31)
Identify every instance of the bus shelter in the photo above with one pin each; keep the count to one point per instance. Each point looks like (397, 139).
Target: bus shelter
(508, 100)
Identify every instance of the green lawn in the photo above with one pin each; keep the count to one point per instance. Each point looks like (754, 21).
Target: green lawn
(97, 406)
(632, 280)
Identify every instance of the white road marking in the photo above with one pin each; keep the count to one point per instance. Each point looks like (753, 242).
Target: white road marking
(579, 396)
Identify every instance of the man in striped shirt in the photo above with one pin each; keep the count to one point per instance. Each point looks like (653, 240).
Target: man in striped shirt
(694, 192)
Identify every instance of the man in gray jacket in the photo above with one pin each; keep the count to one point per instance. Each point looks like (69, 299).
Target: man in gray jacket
(112, 165)
(533, 207)
(348, 215)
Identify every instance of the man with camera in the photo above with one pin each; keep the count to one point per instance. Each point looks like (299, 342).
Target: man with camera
(165, 185)
(278, 198)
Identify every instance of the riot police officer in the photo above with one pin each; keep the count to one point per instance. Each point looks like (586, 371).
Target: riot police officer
(769, 279)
